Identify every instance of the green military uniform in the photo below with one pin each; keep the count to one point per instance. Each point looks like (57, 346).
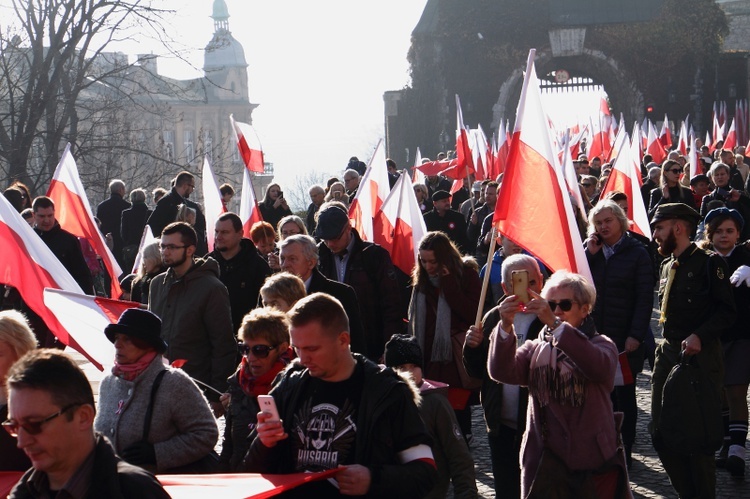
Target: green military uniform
(698, 301)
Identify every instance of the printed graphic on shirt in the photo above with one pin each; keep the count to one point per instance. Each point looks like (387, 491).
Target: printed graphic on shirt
(323, 435)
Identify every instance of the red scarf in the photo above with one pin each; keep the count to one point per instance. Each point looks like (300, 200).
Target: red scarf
(129, 372)
(253, 386)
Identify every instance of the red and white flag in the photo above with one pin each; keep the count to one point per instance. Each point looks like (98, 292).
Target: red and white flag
(665, 136)
(693, 158)
(248, 143)
(249, 211)
(600, 144)
(731, 141)
(533, 208)
(87, 316)
(372, 191)
(73, 212)
(626, 178)
(637, 146)
(30, 266)
(623, 374)
(146, 238)
(465, 165)
(654, 147)
(399, 225)
(213, 207)
(503, 146)
(718, 135)
(571, 177)
(417, 177)
(682, 141)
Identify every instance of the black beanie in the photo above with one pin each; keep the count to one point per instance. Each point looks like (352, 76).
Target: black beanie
(403, 349)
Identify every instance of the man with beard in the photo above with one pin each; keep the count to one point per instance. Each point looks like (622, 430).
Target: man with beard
(696, 306)
(241, 268)
(195, 313)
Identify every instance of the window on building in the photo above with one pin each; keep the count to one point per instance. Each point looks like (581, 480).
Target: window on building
(188, 143)
(168, 137)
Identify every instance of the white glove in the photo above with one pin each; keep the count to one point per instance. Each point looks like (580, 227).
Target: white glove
(741, 276)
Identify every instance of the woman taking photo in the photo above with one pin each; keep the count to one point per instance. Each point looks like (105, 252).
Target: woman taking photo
(723, 229)
(443, 305)
(273, 207)
(570, 371)
(670, 190)
(16, 340)
(154, 415)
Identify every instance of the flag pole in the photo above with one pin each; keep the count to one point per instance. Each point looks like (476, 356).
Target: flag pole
(486, 281)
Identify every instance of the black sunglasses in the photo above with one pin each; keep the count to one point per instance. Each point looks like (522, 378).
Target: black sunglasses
(565, 305)
(259, 351)
(33, 427)
(676, 170)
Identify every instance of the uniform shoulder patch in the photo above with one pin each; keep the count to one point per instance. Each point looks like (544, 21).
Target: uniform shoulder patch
(719, 272)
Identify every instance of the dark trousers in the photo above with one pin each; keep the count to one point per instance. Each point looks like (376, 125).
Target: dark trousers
(505, 449)
(623, 400)
(691, 475)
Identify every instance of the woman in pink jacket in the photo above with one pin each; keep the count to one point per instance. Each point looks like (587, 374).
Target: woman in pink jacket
(570, 371)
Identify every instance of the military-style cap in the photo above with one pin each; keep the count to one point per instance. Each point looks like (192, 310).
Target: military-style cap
(438, 195)
(699, 178)
(724, 211)
(331, 222)
(672, 211)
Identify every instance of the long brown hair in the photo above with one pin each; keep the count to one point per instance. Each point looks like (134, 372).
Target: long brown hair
(446, 254)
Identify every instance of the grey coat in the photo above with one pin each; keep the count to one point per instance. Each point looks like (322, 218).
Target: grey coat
(183, 428)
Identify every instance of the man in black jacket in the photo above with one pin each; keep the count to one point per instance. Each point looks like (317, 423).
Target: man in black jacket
(444, 219)
(341, 411)
(166, 210)
(51, 412)
(63, 244)
(504, 405)
(299, 255)
(132, 222)
(109, 213)
(242, 269)
(366, 267)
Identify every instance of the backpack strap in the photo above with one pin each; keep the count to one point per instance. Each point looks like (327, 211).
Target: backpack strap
(150, 409)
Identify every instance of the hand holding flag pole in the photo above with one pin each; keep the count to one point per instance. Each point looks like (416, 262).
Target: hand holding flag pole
(486, 280)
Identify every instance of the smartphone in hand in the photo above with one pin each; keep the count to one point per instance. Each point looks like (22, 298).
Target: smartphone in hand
(520, 279)
(268, 404)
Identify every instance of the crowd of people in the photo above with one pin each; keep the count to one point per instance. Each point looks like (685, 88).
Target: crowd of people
(373, 372)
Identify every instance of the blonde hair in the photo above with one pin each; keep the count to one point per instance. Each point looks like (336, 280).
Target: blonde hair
(15, 331)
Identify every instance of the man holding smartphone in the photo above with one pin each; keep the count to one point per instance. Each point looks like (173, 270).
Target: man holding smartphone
(340, 410)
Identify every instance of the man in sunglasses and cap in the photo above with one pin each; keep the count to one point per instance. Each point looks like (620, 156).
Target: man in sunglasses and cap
(696, 306)
(51, 412)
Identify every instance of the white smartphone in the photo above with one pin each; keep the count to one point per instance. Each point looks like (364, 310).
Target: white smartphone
(268, 404)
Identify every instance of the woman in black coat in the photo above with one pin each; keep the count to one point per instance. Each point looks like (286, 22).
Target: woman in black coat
(670, 190)
(273, 207)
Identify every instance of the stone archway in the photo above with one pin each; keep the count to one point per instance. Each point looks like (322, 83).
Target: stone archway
(623, 93)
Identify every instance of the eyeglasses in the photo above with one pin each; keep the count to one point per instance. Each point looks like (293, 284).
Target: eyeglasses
(565, 305)
(587, 185)
(675, 170)
(259, 351)
(33, 427)
(170, 247)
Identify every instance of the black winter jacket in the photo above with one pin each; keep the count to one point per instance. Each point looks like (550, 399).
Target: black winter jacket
(67, 249)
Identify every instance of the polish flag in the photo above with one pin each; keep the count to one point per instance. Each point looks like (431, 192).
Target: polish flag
(417, 177)
(373, 189)
(465, 165)
(707, 142)
(731, 141)
(248, 144)
(665, 136)
(399, 225)
(479, 148)
(73, 212)
(623, 374)
(249, 211)
(436, 167)
(718, 134)
(571, 177)
(503, 146)
(213, 207)
(626, 178)
(654, 147)
(575, 141)
(636, 143)
(693, 158)
(601, 144)
(146, 238)
(88, 316)
(30, 266)
(682, 141)
(533, 208)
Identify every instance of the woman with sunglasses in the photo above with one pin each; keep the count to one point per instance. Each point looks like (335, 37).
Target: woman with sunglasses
(670, 189)
(154, 415)
(264, 336)
(570, 371)
(16, 339)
